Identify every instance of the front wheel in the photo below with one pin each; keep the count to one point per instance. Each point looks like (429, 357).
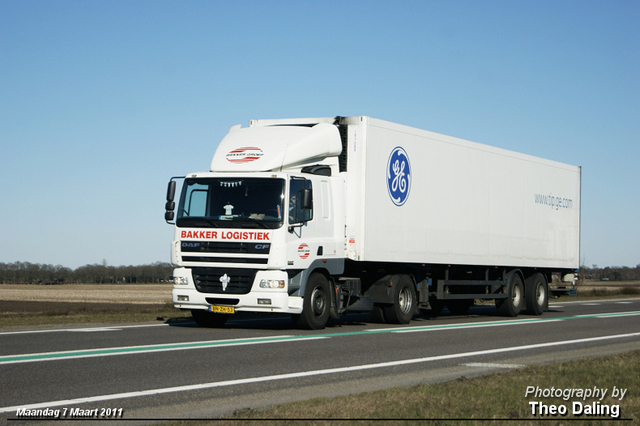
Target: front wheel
(404, 302)
(316, 306)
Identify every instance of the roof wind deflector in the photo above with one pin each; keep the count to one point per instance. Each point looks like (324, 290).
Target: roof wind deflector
(317, 170)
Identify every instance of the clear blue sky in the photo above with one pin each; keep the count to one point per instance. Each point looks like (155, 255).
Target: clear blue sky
(101, 102)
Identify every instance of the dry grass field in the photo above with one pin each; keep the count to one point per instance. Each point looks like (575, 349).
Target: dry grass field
(25, 304)
(88, 293)
(608, 288)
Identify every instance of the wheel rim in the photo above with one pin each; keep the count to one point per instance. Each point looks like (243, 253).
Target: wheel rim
(405, 300)
(515, 299)
(318, 301)
(540, 294)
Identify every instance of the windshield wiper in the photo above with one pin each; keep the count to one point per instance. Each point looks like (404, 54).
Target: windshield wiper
(199, 222)
(254, 222)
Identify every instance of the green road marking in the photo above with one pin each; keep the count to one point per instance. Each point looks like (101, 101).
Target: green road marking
(147, 348)
(49, 356)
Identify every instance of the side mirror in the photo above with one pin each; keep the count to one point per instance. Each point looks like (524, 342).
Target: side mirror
(306, 202)
(171, 191)
(170, 205)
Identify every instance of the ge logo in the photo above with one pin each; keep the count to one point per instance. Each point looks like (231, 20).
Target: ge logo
(398, 176)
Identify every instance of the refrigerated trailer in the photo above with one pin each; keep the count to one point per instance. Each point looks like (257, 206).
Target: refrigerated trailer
(318, 217)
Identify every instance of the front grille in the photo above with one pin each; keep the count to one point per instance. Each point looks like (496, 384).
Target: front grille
(207, 280)
(221, 301)
(224, 247)
(225, 259)
(193, 248)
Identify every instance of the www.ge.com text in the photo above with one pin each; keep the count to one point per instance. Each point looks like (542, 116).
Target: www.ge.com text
(553, 201)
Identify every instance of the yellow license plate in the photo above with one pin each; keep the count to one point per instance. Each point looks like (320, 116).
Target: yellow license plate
(222, 309)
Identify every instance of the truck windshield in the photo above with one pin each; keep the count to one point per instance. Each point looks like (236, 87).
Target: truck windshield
(232, 203)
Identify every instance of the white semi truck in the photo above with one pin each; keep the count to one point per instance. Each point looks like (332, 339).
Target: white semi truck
(317, 217)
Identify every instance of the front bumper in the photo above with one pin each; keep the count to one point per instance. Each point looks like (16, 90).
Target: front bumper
(186, 296)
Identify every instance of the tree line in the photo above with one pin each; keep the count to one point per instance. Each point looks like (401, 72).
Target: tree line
(36, 273)
(610, 273)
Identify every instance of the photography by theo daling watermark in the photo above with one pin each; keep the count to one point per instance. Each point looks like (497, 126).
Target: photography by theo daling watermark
(576, 401)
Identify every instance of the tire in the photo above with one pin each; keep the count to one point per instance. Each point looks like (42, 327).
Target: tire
(512, 305)
(460, 307)
(404, 302)
(316, 306)
(536, 294)
(208, 319)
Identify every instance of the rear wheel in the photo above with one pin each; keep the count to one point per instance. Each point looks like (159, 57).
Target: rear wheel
(512, 305)
(404, 302)
(209, 319)
(536, 294)
(316, 305)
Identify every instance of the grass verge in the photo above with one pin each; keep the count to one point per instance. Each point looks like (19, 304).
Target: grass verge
(494, 399)
(14, 313)
(590, 293)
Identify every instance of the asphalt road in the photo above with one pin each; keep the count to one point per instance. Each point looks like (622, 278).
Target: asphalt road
(162, 371)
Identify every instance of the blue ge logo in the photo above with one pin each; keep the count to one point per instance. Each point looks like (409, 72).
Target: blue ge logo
(398, 176)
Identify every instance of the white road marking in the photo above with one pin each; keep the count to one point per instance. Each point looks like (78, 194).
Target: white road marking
(574, 302)
(609, 315)
(289, 376)
(501, 323)
(488, 365)
(58, 330)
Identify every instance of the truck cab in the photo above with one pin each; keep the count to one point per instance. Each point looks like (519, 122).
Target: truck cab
(250, 232)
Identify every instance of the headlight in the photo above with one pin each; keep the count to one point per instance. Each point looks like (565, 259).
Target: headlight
(271, 283)
(180, 280)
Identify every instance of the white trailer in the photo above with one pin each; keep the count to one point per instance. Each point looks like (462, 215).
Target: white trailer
(318, 217)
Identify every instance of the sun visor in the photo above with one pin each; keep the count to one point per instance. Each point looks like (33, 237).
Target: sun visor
(262, 149)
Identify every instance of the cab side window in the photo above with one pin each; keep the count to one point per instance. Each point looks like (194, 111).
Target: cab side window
(296, 213)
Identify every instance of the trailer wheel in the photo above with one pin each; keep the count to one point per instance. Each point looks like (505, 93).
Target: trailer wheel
(404, 302)
(316, 306)
(208, 319)
(536, 294)
(512, 305)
